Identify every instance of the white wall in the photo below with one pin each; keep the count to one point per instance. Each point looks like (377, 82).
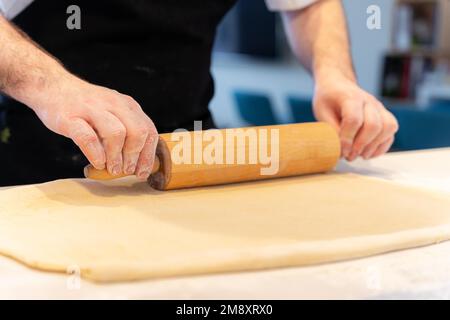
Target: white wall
(279, 80)
(368, 46)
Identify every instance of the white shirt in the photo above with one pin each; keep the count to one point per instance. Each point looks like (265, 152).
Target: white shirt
(286, 5)
(11, 8)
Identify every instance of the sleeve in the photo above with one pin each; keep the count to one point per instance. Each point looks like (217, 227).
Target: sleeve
(2, 9)
(11, 8)
(287, 5)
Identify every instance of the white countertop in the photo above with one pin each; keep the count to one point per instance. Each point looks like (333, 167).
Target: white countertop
(414, 273)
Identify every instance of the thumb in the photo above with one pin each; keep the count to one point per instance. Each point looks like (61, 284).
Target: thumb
(327, 114)
(351, 121)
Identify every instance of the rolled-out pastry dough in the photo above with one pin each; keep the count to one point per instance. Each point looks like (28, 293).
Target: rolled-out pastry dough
(127, 231)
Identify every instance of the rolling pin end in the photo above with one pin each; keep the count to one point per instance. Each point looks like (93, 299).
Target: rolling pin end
(86, 171)
(91, 173)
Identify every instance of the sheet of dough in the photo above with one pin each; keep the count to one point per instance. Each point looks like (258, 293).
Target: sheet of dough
(116, 232)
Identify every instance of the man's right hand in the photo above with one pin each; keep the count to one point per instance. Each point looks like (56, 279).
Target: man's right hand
(110, 128)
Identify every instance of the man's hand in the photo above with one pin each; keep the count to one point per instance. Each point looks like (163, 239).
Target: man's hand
(318, 36)
(110, 128)
(365, 127)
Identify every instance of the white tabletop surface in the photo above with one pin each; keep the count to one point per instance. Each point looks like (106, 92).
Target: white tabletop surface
(414, 273)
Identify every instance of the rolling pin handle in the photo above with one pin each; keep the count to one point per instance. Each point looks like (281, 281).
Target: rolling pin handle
(91, 173)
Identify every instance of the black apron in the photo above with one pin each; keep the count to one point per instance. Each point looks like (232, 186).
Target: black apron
(157, 51)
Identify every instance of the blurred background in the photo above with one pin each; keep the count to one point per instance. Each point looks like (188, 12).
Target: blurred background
(405, 64)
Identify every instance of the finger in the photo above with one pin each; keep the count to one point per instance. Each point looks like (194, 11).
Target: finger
(371, 128)
(383, 148)
(351, 121)
(138, 126)
(390, 127)
(112, 134)
(147, 157)
(87, 140)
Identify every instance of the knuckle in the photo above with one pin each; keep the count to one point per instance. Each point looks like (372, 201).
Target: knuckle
(372, 98)
(379, 105)
(131, 103)
(352, 121)
(128, 98)
(152, 141)
(114, 97)
(116, 133)
(373, 126)
(138, 133)
(390, 128)
(62, 125)
(85, 139)
(393, 126)
(153, 134)
(391, 122)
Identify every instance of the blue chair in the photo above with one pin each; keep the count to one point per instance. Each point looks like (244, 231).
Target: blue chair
(421, 129)
(301, 109)
(439, 105)
(255, 108)
(418, 129)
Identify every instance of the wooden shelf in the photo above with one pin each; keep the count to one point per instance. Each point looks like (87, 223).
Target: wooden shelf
(420, 53)
(441, 24)
(420, 43)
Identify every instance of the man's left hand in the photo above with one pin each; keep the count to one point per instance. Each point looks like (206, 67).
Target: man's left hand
(366, 128)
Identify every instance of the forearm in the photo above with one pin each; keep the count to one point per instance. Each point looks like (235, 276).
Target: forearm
(27, 73)
(318, 36)
(110, 128)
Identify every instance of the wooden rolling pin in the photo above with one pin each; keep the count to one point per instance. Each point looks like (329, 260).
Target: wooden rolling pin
(303, 149)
